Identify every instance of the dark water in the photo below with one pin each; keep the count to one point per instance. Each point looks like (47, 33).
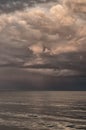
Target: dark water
(42, 110)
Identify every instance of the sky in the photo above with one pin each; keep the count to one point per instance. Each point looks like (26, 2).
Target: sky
(43, 44)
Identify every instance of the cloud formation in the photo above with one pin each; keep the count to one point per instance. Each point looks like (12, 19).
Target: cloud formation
(45, 37)
(7, 6)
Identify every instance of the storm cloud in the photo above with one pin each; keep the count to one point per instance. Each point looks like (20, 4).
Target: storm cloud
(44, 37)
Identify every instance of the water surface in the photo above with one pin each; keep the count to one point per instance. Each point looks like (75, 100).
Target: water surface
(47, 110)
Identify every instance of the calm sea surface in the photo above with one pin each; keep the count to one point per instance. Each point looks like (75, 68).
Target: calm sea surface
(48, 110)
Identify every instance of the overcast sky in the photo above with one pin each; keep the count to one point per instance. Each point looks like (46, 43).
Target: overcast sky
(43, 44)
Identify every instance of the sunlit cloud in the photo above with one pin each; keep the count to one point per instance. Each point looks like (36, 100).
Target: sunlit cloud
(45, 36)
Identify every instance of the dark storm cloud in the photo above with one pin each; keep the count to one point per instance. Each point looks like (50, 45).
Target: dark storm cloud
(20, 79)
(44, 37)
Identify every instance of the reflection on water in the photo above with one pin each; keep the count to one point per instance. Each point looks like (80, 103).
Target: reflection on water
(42, 110)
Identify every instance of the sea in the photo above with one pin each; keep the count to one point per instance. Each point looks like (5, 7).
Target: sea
(42, 110)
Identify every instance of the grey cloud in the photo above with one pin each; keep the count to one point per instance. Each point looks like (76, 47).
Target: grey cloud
(72, 61)
(19, 79)
(42, 37)
(7, 6)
